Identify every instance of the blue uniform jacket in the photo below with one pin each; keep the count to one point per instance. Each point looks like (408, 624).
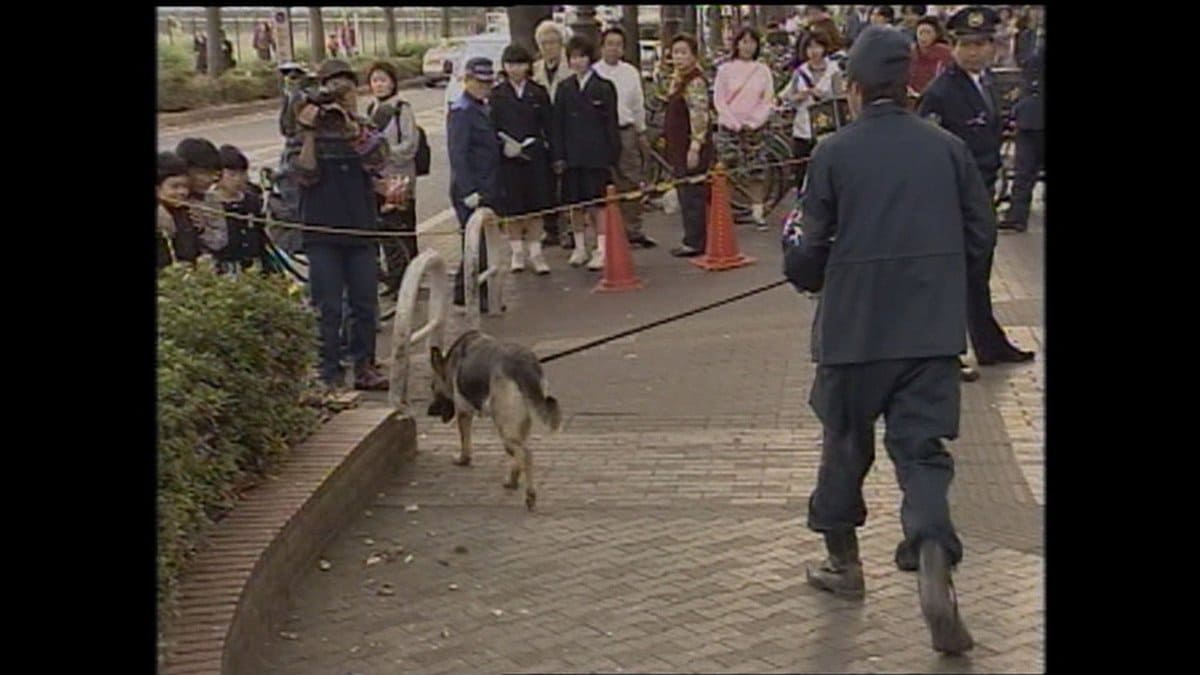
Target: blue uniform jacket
(474, 152)
(954, 102)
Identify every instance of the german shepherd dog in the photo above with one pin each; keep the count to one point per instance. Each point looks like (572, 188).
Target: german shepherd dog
(481, 375)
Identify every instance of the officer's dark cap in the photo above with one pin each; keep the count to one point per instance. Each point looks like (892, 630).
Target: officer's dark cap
(516, 54)
(880, 57)
(336, 68)
(480, 68)
(973, 21)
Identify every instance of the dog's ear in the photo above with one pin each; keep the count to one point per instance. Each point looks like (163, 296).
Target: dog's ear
(436, 360)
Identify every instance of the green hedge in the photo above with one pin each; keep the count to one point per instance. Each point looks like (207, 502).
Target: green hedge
(234, 363)
(181, 88)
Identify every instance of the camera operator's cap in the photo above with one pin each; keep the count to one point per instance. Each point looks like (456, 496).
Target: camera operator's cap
(973, 21)
(880, 56)
(480, 68)
(336, 68)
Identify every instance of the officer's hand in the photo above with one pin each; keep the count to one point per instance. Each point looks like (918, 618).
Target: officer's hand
(512, 149)
(472, 200)
(307, 116)
(559, 166)
(693, 158)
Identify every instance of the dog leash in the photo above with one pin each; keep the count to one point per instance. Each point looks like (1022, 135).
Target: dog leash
(660, 322)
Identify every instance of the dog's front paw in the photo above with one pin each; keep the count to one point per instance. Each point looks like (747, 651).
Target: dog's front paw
(530, 499)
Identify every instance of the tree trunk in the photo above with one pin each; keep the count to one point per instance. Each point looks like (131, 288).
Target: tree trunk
(585, 23)
(389, 19)
(445, 21)
(212, 28)
(689, 20)
(629, 24)
(523, 20)
(671, 19)
(753, 17)
(316, 35)
(716, 29)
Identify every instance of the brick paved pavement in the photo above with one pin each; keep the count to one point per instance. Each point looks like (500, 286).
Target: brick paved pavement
(670, 530)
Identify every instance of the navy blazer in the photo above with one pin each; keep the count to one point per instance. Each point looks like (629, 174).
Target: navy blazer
(585, 132)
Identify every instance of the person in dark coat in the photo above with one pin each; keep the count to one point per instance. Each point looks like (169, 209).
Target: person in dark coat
(963, 102)
(889, 323)
(340, 158)
(522, 113)
(474, 159)
(1031, 143)
(586, 143)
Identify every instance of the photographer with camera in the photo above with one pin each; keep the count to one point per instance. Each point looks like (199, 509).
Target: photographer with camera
(337, 168)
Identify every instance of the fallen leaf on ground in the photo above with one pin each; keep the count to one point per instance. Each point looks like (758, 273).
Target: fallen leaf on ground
(497, 612)
(460, 549)
(288, 636)
(374, 559)
(325, 565)
(412, 507)
(386, 589)
(454, 587)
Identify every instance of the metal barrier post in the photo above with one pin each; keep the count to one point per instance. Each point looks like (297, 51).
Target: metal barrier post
(428, 263)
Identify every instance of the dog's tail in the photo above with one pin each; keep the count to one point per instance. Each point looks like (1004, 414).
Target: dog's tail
(533, 388)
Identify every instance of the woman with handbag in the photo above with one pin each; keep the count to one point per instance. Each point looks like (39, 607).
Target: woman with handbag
(811, 82)
(744, 96)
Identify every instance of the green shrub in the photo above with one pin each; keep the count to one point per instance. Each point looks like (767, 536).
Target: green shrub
(410, 49)
(234, 360)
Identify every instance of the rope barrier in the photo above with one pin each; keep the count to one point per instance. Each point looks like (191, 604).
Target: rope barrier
(657, 188)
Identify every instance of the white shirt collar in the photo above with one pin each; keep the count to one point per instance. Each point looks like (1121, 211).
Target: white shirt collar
(520, 89)
(584, 78)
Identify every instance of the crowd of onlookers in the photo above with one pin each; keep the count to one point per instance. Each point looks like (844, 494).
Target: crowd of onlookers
(559, 127)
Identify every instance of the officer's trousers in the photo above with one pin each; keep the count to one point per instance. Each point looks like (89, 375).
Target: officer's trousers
(460, 289)
(919, 401)
(1030, 154)
(987, 337)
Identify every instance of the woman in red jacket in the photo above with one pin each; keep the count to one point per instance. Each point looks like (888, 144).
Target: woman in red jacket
(930, 56)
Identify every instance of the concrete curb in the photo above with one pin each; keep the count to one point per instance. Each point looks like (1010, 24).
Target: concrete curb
(236, 590)
(221, 112)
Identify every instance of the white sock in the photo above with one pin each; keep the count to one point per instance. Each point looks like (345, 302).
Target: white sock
(580, 240)
(517, 246)
(757, 210)
(535, 249)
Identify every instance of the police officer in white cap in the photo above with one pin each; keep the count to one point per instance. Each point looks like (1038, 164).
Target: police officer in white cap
(894, 215)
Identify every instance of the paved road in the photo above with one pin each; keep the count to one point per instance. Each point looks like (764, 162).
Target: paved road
(670, 530)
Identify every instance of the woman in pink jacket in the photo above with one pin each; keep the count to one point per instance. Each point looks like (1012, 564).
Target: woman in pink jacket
(744, 96)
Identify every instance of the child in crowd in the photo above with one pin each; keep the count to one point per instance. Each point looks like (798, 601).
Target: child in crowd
(177, 238)
(234, 194)
(203, 169)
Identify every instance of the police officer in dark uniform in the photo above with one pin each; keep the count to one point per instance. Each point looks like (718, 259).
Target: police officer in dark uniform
(962, 101)
(1031, 143)
(889, 323)
(474, 158)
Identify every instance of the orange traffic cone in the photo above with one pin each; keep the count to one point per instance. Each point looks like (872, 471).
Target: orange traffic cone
(618, 263)
(720, 249)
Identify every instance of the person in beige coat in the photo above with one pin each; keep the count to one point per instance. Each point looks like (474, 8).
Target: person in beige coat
(549, 71)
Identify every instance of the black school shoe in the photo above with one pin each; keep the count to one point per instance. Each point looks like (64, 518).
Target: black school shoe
(1011, 356)
(642, 241)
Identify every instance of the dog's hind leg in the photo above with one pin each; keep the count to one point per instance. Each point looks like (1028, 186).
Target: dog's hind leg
(464, 434)
(514, 471)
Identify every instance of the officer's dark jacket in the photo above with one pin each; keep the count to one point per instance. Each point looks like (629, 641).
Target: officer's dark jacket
(1029, 111)
(957, 104)
(894, 214)
(474, 150)
(528, 116)
(585, 133)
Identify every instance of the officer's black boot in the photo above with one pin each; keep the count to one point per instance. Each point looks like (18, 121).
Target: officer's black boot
(840, 574)
(939, 603)
(907, 557)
